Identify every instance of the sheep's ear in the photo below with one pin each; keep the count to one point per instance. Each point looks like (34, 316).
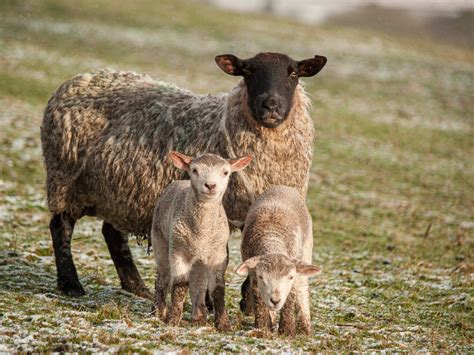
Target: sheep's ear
(230, 64)
(244, 268)
(312, 66)
(239, 163)
(307, 269)
(180, 161)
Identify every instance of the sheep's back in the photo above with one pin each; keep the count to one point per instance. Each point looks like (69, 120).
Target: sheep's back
(105, 138)
(278, 222)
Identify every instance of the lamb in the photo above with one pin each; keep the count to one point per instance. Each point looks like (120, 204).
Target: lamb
(105, 137)
(276, 249)
(190, 234)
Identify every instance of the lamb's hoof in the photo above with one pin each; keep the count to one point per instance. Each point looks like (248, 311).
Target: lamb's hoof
(72, 289)
(223, 325)
(289, 332)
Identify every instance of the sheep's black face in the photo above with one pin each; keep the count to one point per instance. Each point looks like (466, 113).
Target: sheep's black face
(271, 79)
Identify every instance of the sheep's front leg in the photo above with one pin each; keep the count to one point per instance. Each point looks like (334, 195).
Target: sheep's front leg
(287, 324)
(260, 310)
(303, 316)
(198, 281)
(217, 291)
(179, 288)
(130, 278)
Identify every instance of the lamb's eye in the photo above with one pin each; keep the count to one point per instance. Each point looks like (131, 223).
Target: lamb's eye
(194, 171)
(260, 277)
(226, 173)
(291, 277)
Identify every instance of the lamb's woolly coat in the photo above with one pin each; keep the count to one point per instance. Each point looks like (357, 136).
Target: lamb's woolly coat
(105, 137)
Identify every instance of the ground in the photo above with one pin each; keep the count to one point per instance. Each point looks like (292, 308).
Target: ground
(391, 191)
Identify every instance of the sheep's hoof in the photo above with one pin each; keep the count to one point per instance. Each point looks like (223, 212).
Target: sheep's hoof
(71, 289)
(142, 292)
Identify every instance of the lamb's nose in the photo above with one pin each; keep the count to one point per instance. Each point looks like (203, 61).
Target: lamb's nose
(210, 187)
(275, 302)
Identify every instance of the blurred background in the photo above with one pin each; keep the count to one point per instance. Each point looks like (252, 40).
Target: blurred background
(391, 189)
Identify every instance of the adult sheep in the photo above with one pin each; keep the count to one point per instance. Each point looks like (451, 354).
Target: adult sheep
(106, 136)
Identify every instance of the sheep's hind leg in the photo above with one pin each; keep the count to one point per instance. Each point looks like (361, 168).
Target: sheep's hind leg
(130, 278)
(61, 227)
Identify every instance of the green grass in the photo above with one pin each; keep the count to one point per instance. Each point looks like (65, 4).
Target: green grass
(393, 157)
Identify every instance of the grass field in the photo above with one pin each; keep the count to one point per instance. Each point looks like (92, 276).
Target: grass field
(391, 185)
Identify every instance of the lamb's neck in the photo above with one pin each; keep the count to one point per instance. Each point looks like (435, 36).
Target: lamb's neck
(202, 211)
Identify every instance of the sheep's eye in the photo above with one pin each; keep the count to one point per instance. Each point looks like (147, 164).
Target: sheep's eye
(291, 277)
(194, 171)
(260, 277)
(226, 173)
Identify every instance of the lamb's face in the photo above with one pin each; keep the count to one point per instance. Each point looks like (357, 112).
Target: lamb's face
(271, 80)
(209, 177)
(275, 277)
(209, 173)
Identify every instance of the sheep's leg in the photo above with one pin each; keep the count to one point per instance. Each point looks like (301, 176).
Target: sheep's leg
(198, 281)
(179, 288)
(61, 227)
(160, 250)
(262, 316)
(303, 317)
(130, 278)
(287, 324)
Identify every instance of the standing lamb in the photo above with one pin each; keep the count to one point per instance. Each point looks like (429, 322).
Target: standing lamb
(105, 137)
(277, 249)
(189, 233)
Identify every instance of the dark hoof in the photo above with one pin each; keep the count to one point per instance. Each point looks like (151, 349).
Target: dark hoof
(141, 291)
(72, 289)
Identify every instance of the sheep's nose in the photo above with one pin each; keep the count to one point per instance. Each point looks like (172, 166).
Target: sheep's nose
(209, 186)
(270, 104)
(275, 302)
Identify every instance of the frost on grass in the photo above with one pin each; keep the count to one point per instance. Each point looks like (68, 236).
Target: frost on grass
(389, 190)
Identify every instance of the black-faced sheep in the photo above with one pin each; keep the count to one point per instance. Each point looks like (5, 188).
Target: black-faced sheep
(105, 136)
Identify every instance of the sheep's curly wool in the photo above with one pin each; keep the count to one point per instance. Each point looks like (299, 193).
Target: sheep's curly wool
(105, 137)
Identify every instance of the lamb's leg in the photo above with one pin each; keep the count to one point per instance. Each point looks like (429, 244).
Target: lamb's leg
(260, 310)
(217, 291)
(160, 250)
(198, 281)
(303, 317)
(179, 288)
(245, 303)
(287, 324)
(130, 278)
(61, 227)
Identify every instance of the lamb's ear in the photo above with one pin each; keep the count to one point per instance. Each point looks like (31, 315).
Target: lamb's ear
(307, 269)
(244, 268)
(180, 161)
(312, 66)
(230, 64)
(239, 163)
